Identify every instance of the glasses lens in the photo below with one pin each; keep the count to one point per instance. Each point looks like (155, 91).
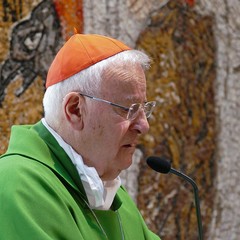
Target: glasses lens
(148, 108)
(133, 111)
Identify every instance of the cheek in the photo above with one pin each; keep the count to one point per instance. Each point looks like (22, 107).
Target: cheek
(95, 122)
(112, 138)
(107, 128)
(97, 130)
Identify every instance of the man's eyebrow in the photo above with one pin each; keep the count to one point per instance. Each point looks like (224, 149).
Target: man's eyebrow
(133, 99)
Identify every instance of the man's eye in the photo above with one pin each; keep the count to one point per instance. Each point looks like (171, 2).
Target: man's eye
(122, 112)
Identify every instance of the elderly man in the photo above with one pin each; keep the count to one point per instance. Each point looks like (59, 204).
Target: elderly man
(59, 178)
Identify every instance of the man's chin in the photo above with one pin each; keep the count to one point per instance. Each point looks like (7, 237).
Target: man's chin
(128, 162)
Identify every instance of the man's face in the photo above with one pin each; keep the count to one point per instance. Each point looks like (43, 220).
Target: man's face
(109, 138)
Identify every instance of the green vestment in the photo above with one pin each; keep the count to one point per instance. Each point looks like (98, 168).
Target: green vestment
(42, 197)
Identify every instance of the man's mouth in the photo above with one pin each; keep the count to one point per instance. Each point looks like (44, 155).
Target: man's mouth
(130, 145)
(127, 145)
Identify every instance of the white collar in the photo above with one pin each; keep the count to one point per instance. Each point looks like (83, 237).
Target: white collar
(100, 193)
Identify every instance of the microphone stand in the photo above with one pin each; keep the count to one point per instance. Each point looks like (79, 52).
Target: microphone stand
(197, 203)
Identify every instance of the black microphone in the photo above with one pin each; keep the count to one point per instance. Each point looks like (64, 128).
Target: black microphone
(162, 165)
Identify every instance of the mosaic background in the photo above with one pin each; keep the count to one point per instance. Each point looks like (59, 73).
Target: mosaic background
(182, 39)
(183, 128)
(34, 31)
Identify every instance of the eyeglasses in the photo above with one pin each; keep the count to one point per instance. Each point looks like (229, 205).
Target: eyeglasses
(133, 110)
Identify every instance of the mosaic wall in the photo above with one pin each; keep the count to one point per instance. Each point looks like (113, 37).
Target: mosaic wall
(182, 47)
(181, 44)
(36, 31)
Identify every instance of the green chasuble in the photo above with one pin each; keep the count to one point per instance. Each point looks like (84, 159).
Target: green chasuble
(42, 197)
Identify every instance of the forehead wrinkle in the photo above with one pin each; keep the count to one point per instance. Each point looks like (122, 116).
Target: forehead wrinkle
(129, 77)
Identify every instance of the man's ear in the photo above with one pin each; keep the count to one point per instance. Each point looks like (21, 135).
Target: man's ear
(73, 105)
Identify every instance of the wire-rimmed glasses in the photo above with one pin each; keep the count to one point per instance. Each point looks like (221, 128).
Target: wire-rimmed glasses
(133, 110)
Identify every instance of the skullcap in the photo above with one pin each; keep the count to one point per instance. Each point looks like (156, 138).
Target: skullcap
(80, 52)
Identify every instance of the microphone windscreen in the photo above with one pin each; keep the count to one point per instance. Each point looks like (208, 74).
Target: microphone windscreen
(159, 164)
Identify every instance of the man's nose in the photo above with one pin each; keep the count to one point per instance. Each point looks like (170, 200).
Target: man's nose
(140, 123)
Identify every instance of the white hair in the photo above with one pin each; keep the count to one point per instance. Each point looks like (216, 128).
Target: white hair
(87, 81)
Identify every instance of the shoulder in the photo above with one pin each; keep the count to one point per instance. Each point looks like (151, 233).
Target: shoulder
(21, 176)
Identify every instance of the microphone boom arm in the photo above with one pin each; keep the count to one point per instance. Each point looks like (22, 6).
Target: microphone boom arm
(197, 202)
